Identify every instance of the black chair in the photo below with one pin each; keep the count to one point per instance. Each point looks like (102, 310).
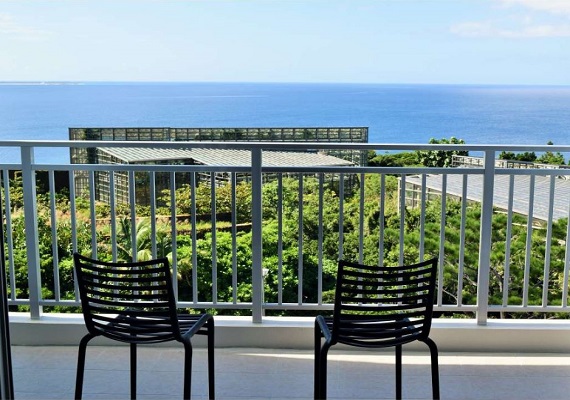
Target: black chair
(134, 303)
(379, 307)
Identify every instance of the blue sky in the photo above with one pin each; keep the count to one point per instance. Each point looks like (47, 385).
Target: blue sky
(377, 41)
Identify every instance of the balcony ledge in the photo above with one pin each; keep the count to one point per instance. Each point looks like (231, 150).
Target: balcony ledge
(538, 336)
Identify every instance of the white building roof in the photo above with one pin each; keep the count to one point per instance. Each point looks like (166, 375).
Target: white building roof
(224, 157)
(521, 192)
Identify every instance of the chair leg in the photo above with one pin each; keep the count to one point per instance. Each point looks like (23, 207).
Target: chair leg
(188, 369)
(319, 375)
(434, 367)
(133, 371)
(317, 365)
(399, 371)
(211, 369)
(321, 353)
(323, 371)
(81, 365)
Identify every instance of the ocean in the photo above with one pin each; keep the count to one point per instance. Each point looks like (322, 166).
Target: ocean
(393, 113)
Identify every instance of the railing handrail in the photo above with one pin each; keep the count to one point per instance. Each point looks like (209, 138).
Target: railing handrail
(288, 145)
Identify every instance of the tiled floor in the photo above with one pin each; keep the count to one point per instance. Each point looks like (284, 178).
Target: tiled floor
(49, 373)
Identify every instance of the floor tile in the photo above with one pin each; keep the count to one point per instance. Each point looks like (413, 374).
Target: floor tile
(246, 373)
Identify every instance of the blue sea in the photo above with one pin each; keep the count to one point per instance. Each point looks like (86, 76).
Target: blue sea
(393, 113)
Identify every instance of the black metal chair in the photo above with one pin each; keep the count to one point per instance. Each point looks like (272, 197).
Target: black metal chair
(378, 307)
(134, 303)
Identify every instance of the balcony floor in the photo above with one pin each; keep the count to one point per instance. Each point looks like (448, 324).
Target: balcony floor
(246, 373)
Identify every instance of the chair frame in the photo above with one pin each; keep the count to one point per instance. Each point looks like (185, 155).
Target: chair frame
(144, 317)
(393, 329)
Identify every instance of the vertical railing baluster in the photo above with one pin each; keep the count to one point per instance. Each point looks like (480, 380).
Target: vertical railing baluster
(174, 232)
(300, 244)
(32, 237)
(234, 237)
(152, 217)
(133, 207)
(256, 235)
(508, 239)
(280, 239)
(320, 241)
(361, 221)
(548, 250)
(54, 240)
(214, 232)
(9, 235)
(423, 200)
(113, 215)
(73, 218)
(381, 219)
(341, 217)
(402, 207)
(485, 238)
(528, 246)
(194, 239)
(461, 269)
(92, 213)
(566, 261)
(440, 277)
(152, 201)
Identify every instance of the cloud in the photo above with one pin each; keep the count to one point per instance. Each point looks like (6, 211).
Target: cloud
(558, 7)
(10, 27)
(539, 19)
(488, 29)
(538, 31)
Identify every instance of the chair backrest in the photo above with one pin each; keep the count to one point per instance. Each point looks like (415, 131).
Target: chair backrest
(381, 306)
(129, 302)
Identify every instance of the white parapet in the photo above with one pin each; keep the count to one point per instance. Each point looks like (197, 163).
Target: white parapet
(549, 336)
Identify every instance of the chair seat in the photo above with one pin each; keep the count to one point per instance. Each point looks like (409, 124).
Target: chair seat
(189, 321)
(375, 330)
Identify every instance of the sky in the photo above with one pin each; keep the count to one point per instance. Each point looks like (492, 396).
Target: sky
(368, 41)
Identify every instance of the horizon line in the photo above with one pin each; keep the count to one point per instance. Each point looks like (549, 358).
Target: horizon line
(80, 82)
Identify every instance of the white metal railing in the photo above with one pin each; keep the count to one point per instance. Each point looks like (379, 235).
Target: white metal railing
(471, 278)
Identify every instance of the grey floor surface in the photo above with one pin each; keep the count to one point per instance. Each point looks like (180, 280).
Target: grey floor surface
(249, 373)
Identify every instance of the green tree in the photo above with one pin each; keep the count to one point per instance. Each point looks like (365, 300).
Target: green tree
(440, 158)
(527, 156)
(551, 158)
(394, 160)
(125, 245)
(507, 155)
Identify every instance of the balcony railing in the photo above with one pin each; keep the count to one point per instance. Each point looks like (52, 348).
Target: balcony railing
(501, 234)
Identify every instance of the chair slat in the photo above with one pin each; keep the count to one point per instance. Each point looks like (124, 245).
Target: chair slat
(387, 294)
